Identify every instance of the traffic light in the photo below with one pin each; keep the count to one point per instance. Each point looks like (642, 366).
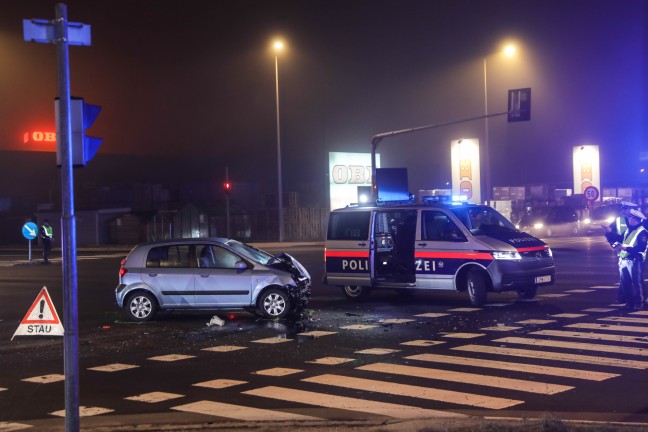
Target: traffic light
(227, 187)
(82, 116)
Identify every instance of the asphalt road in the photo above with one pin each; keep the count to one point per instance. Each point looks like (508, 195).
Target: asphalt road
(571, 352)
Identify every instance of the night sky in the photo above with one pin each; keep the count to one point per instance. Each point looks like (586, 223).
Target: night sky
(193, 82)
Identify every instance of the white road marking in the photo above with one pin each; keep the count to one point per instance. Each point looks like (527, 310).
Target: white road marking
(278, 371)
(500, 328)
(316, 333)
(331, 360)
(239, 412)
(536, 321)
(575, 345)
(171, 357)
(377, 351)
(359, 327)
(413, 391)
(10, 427)
(591, 336)
(84, 411)
(548, 355)
(114, 367)
(463, 335)
(224, 348)
(432, 315)
(45, 379)
(470, 378)
(272, 340)
(609, 327)
(422, 343)
(396, 321)
(568, 315)
(219, 383)
(154, 397)
(347, 403)
(518, 367)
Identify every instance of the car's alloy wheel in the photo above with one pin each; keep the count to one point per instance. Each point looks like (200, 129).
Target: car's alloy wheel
(355, 292)
(274, 303)
(141, 306)
(476, 287)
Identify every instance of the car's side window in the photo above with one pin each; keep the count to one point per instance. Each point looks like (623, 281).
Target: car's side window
(168, 256)
(437, 226)
(210, 256)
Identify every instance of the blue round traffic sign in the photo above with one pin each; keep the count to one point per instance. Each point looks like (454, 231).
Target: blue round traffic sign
(30, 230)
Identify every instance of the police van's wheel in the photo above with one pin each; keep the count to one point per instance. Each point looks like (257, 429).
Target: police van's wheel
(274, 303)
(141, 306)
(355, 292)
(528, 292)
(476, 287)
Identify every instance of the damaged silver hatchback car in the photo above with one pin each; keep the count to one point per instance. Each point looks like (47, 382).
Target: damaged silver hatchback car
(210, 273)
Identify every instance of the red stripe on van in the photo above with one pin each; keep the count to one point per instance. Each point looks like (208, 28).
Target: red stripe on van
(347, 254)
(455, 255)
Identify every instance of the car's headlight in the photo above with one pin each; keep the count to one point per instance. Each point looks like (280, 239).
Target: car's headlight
(550, 252)
(537, 225)
(506, 255)
(587, 221)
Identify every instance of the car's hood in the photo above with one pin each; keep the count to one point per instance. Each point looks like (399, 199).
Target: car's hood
(517, 239)
(289, 264)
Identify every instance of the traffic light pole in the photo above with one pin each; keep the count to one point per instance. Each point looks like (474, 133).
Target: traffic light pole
(68, 226)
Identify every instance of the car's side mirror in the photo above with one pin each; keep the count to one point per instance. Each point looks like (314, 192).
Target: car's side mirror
(240, 265)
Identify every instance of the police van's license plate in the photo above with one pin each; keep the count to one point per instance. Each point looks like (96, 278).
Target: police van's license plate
(543, 279)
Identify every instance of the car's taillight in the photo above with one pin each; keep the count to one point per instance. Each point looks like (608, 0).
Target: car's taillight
(324, 255)
(122, 270)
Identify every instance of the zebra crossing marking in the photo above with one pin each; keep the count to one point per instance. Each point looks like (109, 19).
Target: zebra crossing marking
(608, 327)
(278, 371)
(422, 343)
(594, 336)
(602, 310)
(154, 397)
(316, 333)
(419, 392)
(625, 320)
(349, 404)
(10, 426)
(84, 411)
(500, 328)
(605, 286)
(115, 367)
(331, 360)
(549, 355)
(219, 383)
(470, 378)
(553, 295)
(171, 357)
(224, 348)
(518, 367)
(45, 379)
(465, 309)
(536, 321)
(396, 321)
(568, 315)
(359, 327)
(3, 389)
(432, 315)
(463, 335)
(377, 351)
(240, 412)
(579, 291)
(642, 313)
(575, 345)
(272, 340)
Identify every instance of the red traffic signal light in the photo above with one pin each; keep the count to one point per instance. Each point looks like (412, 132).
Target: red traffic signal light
(227, 187)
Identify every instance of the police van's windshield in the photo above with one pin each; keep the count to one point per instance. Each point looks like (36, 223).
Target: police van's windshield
(480, 220)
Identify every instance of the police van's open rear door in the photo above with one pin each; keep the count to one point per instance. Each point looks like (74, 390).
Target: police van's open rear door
(391, 259)
(347, 247)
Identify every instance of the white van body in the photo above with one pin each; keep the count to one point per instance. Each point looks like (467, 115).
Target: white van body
(436, 246)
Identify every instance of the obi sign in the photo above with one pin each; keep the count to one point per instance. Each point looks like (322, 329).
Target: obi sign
(464, 155)
(347, 172)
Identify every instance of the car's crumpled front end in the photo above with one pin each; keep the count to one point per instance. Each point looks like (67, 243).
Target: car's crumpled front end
(300, 292)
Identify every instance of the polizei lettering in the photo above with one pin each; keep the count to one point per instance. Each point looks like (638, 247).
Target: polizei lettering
(425, 265)
(355, 265)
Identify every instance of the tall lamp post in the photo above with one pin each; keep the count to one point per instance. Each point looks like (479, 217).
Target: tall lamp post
(509, 51)
(278, 47)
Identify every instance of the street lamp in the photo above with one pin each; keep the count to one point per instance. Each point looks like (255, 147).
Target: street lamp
(278, 47)
(509, 51)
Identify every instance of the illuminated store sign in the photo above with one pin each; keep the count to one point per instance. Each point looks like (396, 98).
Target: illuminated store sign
(586, 168)
(348, 172)
(464, 157)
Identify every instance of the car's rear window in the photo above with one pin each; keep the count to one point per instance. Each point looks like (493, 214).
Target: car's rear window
(168, 256)
(349, 225)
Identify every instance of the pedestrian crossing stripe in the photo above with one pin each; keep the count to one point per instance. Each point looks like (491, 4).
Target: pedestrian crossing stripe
(419, 392)
(607, 327)
(592, 336)
(550, 355)
(350, 404)
(575, 345)
(517, 367)
(240, 412)
(631, 320)
(41, 318)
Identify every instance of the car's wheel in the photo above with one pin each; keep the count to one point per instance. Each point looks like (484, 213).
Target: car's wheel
(274, 303)
(141, 306)
(355, 292)
(476, 287)
(528, 292)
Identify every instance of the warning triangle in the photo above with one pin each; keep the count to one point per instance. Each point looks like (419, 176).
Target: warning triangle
(41, 318)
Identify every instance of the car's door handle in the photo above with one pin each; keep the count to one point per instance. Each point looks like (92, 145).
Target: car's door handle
(422, 244)
(152, 274)
(362, 244)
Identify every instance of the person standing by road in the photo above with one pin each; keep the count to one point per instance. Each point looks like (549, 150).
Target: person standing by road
(632, 254)
(46, 234)
(614, 235)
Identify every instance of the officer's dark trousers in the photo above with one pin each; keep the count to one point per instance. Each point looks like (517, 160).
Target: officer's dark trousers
(632, 281)
(47, 247)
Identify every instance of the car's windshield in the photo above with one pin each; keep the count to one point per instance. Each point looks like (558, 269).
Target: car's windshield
(250, 252)
(480, 219)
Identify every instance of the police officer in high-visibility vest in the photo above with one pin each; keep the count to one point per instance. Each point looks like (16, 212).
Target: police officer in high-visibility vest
(614, 231)
(46, 234)
(632, 255)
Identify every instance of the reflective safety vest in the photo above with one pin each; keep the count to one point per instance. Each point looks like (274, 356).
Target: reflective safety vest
(631, 241)
(48, 231)
(621, 225)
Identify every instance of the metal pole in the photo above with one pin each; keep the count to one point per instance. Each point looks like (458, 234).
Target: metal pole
(70, 307)
(279, 187)
(487, 194)
(30, 255)
(227, 206)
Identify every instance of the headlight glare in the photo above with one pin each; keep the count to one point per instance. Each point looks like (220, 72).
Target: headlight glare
(506, 255)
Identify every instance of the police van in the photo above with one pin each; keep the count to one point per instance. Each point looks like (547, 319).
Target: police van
(433, 246)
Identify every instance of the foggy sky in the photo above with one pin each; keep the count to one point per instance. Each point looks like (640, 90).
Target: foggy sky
(195, 80)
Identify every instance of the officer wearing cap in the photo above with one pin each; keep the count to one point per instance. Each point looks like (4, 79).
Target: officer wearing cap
(632, 252)
(614, 232)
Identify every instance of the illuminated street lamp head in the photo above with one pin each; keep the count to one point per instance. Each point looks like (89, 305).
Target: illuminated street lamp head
(510, 50)
(278, 46)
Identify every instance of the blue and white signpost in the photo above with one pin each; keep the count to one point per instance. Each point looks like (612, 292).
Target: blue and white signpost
(30, 232)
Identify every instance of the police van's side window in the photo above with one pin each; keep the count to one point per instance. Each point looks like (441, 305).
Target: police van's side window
(437, 226)
(349, 226)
